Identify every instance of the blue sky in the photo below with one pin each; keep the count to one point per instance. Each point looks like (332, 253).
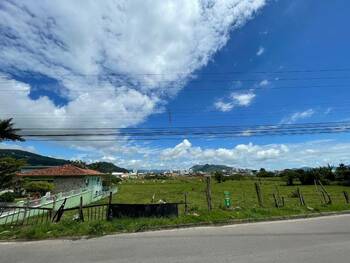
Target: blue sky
(245, 62)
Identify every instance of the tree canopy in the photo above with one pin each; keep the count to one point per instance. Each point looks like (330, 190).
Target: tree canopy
(8, 132)
(8, 169)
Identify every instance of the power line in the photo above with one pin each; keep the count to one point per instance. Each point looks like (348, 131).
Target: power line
(94, 134)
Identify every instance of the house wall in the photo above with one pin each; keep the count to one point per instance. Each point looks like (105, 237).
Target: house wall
(63, 184)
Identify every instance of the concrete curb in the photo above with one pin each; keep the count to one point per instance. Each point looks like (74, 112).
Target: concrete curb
(192, 225)
(244, 221)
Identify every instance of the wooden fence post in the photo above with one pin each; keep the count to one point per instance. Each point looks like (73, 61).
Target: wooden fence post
(329, 201)
(186, 205)
(301, 197)
(208, 192)
(346, 195)
(109, 210)
(276, 201)
(258, 194)
(320, 194)
(25, 211)
(81, 214)
(57, 217)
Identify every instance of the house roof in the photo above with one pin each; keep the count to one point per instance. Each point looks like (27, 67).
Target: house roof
(62, 171)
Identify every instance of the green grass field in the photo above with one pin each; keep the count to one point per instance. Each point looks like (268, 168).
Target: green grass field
(244, 206)
(243, 194)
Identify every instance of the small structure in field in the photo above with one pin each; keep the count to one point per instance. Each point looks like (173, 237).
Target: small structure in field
(67, 177)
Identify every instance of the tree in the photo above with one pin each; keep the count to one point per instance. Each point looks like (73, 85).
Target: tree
(289, 176)
(326, 173)
(79, 163)
(342, 172)
(219, 176)
(109, 180)
(105, 167)
(38, 187)
(308, 177)
(263, 173)
(8, 169)
(7, 132)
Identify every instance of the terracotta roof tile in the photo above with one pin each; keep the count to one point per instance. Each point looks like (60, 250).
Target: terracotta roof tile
(64, 170)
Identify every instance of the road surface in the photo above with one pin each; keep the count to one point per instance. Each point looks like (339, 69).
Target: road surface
(325, 239)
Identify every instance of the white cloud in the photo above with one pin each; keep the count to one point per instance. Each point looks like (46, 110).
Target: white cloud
(16, 146)
(223, 106)
(243, 99)
(260, 51)
(264, 83)
(298, 116)
(184, 155)
(271, 156)
(114, 63)
(178, 151)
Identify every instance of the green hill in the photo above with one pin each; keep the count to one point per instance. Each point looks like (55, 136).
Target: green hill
(105, 167)
(209, 168)
(32, 159)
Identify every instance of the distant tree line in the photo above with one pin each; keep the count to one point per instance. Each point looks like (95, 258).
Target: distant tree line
(325, 174)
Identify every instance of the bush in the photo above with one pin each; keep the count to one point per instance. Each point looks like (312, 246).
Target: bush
(263, 173)
(7, 197)
(109, 180)
(289, 176)
(38, 187)
(219, 176)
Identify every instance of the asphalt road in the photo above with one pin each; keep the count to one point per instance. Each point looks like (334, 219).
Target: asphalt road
(325, 239)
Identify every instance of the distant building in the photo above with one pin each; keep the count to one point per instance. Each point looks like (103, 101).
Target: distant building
(120, 174)
(66, 178)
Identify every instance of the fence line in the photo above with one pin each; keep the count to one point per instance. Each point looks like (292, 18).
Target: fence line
(9, 214)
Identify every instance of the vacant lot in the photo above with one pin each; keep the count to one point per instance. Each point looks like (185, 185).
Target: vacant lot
(243, 195)
(244, 206)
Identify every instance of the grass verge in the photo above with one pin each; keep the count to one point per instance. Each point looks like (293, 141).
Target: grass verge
(245, 208)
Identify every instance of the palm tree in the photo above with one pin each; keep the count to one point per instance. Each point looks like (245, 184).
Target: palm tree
(7, 132)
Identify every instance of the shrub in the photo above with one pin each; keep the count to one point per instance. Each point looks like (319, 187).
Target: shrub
(263, 173)
(110, 180)
(38, 187)
(289, 176)
(7, 197)
(219, 176)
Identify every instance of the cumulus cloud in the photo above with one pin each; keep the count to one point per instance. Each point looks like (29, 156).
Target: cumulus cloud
(186, 154)
(243, 99)
(235, 99)
(272, 156)
(293, 118)
(223, 106)
(264, 83)
(113, 64)
(16, 146)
